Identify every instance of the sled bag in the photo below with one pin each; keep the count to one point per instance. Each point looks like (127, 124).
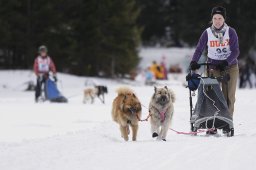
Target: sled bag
(193, 82)
(51, 90)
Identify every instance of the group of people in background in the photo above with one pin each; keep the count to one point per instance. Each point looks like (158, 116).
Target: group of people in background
(155, 72)
(247, 73)
(159, 71)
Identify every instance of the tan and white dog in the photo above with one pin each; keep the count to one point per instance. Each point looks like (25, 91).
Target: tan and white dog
(90, 94)
(93, 92)
(126, 111)
(161, 109)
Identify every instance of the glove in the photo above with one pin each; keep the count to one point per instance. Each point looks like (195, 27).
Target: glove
(194, 65)
(39, 78)
(188, 77)
(192, 76)
(55, 78)
(222, 65)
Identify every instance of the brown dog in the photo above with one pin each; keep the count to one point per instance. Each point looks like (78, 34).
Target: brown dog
(126, 111)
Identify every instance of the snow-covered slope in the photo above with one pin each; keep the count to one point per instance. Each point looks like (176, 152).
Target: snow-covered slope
(48, 136)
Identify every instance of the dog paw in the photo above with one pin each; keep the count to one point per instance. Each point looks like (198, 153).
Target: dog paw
(164, 140)
(154, 135)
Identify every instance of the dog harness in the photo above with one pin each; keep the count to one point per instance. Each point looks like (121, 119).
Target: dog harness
(162, 116)
(162, 113)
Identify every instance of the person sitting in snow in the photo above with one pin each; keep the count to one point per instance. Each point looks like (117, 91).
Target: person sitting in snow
(157, 70)
(43, 65)
(149, 77)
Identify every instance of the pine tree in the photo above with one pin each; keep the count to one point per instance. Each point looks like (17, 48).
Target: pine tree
(27, 24)
(155, 17)
(107, 36)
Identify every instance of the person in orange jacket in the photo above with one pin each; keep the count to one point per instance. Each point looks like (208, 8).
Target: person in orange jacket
(153, 68)
(157, 70)
(43, 65)
(160, 72)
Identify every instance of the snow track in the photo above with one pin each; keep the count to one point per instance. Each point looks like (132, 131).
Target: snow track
(75, 136)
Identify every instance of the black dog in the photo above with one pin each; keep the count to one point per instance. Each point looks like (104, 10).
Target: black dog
(102, 90)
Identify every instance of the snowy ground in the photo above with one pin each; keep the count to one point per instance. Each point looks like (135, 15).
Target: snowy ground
(75, 136)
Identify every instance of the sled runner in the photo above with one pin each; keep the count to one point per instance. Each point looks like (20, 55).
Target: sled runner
(211, 109)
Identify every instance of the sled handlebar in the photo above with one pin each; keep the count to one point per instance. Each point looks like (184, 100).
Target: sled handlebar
(206, 64)
(225, 77)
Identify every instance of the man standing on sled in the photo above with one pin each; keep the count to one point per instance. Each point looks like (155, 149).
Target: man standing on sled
(223, 49)
(43, 65)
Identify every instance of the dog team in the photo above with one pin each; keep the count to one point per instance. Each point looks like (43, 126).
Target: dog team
(126, 111)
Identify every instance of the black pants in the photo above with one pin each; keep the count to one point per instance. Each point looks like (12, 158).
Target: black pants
(39, 84)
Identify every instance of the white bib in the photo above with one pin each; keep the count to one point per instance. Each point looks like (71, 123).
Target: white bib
(43, 64)
(216, 50)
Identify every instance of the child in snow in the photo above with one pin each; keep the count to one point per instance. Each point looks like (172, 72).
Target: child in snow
(43, 65)
(149, 76)
(223, 50)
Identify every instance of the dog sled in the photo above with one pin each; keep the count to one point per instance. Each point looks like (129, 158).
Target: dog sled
(51, 93)
(211, 109)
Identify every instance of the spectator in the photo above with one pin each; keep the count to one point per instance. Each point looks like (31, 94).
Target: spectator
(164, 71)
(149, 77)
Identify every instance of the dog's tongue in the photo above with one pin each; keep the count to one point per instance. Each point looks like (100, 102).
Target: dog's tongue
(162, 115)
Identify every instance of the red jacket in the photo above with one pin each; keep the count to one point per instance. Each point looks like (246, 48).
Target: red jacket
(43, 65)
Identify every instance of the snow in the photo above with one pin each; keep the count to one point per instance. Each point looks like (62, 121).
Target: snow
(78, 136)
(170, 56)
